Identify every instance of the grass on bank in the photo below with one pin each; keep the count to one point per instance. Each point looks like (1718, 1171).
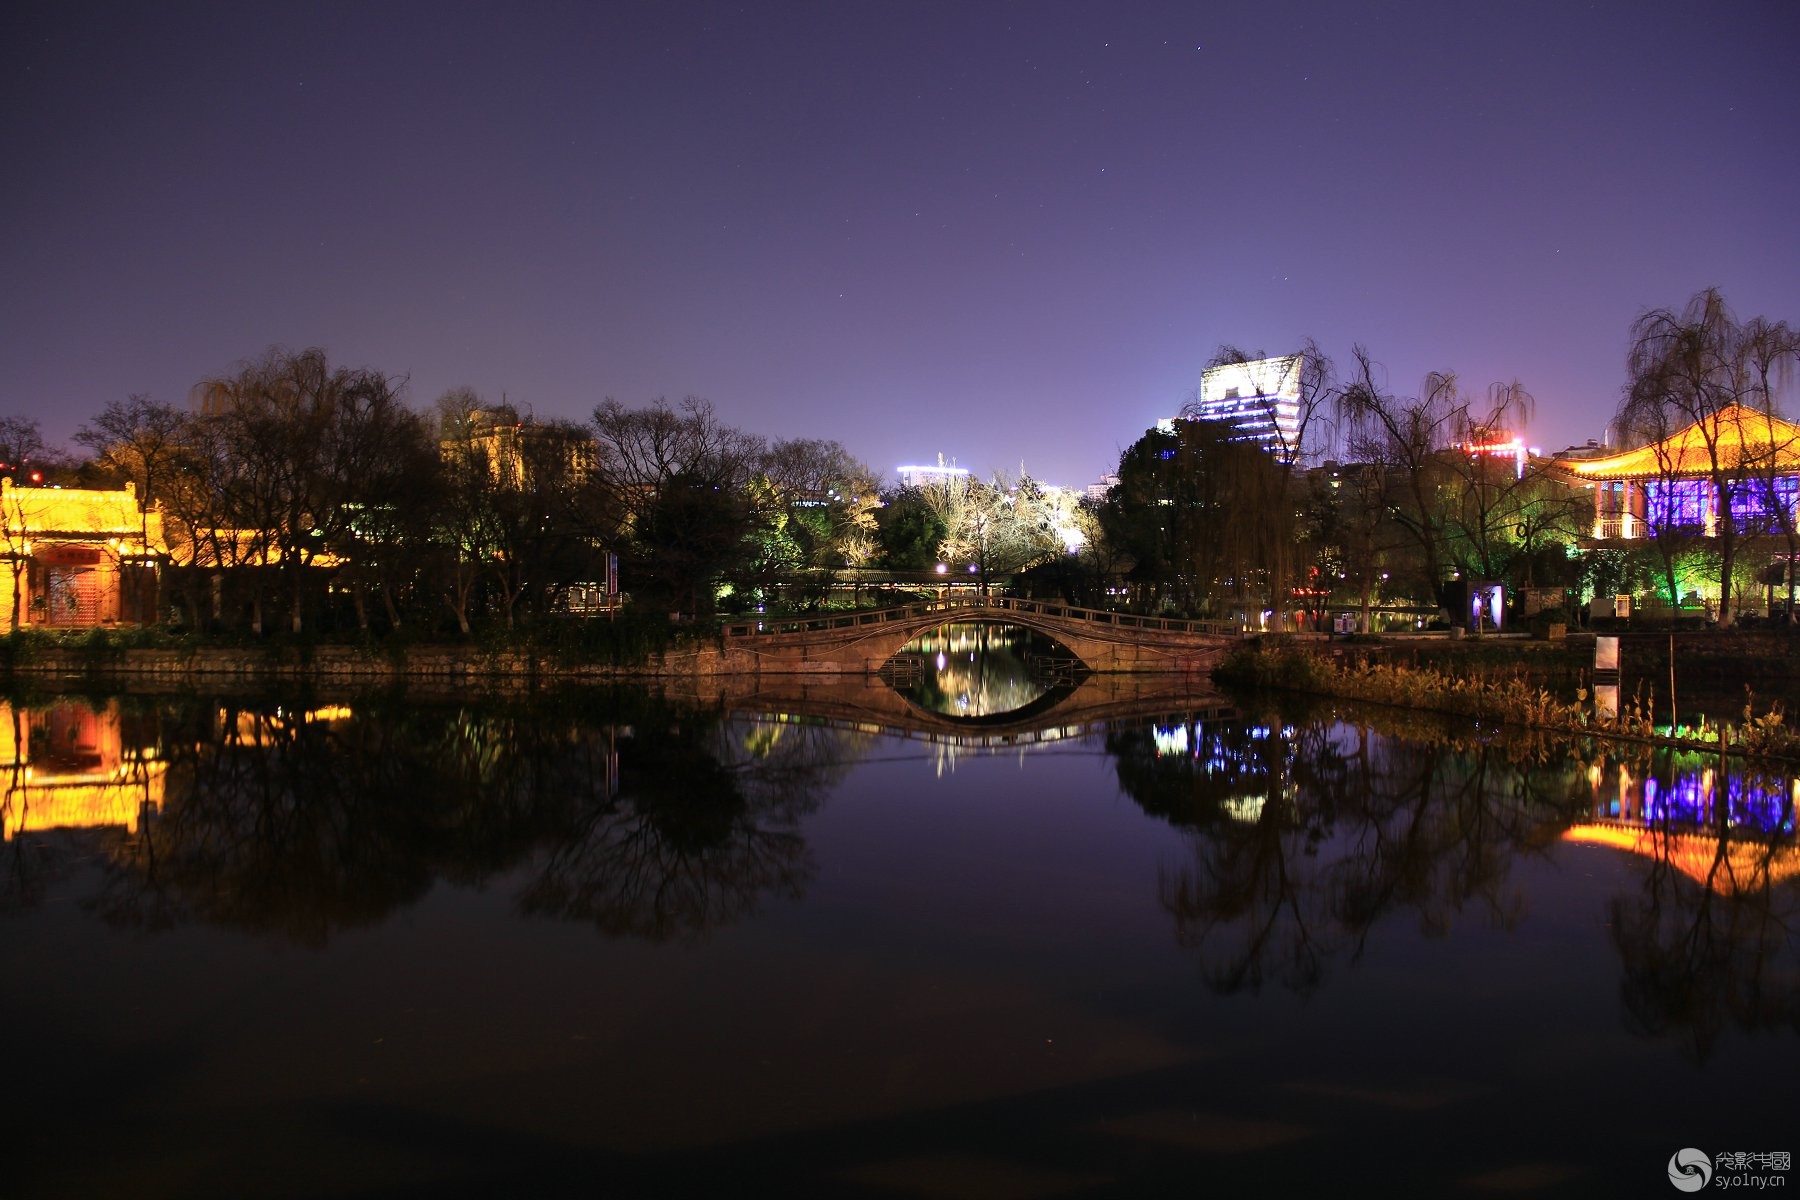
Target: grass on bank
(1493, 690)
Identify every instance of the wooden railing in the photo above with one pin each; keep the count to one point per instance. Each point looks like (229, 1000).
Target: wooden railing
(949, 608)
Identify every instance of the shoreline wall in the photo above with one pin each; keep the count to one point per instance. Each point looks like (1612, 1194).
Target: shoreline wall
(349, 664)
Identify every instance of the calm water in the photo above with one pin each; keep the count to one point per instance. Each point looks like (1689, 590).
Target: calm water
(830, 942)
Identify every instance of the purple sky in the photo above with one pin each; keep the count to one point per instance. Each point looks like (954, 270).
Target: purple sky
(1002, 232)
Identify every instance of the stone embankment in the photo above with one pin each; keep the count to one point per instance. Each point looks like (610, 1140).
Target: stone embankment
(423, 665)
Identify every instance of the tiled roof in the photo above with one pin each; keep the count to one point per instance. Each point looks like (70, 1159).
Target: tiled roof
(1743, 435)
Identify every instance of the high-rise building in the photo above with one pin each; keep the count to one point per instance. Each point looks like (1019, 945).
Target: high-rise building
(917, 475)
(1260, 400)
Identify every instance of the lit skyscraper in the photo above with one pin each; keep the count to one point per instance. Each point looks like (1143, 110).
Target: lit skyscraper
(1260, 400)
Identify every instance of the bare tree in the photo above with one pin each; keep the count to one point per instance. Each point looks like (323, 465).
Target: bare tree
(1774, 352)
(146, 443)
(671, 485)
(304, 446)
(1406, 437)
(1483, 508)
(1703, 369)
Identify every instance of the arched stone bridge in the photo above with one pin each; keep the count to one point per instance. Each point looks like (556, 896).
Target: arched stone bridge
(866, 641)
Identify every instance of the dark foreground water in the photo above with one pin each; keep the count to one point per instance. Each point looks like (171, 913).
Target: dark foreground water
(834, 944)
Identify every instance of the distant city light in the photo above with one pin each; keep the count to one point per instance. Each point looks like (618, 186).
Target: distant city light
(918, 476)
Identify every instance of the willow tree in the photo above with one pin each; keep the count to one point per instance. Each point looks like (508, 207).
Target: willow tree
(813, 506)
(1701, 369)
(1773, 348)
(1294, 393)
(1422, 445)
(1482, 511)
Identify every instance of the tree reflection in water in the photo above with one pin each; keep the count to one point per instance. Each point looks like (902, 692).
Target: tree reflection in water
(1711, 939)
(705, 823)
(648, 819)
(1305, 833)
(302, 820)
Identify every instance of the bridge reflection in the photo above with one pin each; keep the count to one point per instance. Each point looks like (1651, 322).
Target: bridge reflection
(869, 705)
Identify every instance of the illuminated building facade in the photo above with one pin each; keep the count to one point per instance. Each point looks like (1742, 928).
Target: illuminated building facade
(511, 445)
(1670, 484)
(78, 557)
(1260, 400)
(1500, 446)
(925, 476)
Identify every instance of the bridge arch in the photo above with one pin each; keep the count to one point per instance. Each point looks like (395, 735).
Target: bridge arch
(865, 641)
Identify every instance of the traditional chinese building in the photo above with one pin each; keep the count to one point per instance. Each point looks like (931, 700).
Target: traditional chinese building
(77, 557)
(1673, 483)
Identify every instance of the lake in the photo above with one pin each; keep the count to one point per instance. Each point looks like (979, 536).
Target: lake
(826, 938)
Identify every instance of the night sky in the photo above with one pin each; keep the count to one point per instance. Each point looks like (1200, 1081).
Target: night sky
(1002, 232)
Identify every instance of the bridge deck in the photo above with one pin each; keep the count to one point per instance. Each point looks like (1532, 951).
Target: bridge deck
(1099, 619)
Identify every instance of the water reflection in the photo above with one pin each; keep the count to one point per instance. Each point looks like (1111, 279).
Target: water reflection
(1711, 938)
(1303, 831)
(70, 766)
(705, 823)
(980, 670)
(300, 821)
(1306, 832)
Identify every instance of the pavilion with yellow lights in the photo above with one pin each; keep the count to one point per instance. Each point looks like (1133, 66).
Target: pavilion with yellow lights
(1671, 483)
(75, 557)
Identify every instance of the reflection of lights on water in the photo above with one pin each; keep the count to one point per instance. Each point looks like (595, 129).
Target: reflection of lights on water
(979, 669)
(1748, 805)
(1704, 797)
(1169, 741)
(1247, 809)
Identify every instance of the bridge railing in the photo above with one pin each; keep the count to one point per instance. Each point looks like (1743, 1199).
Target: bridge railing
(970, 605)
